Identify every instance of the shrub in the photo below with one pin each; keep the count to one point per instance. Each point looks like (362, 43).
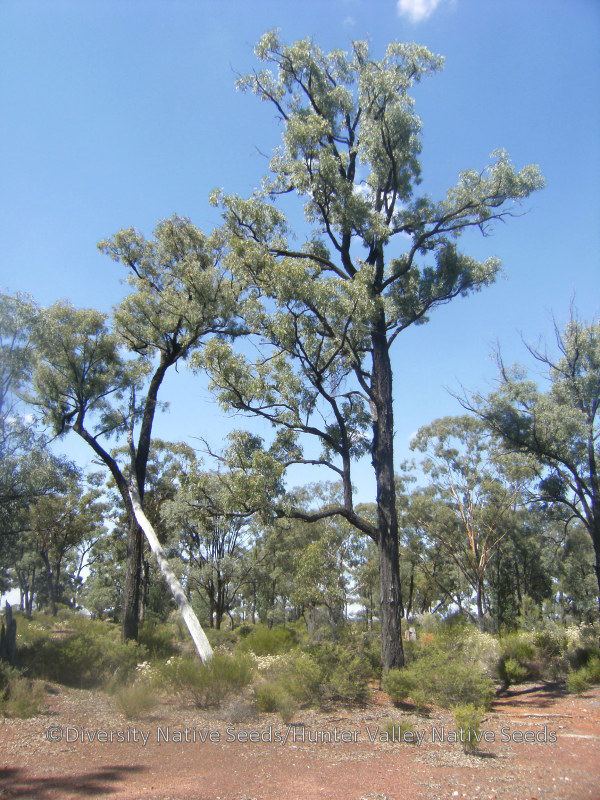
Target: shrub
(399, 684)
(208, 684)
(593, 669)
(158, 639)
(263, 641)
(468, 720)
(578, 681)
(348, 682)
(512, 672)
(225, 639)
(22, 698)
(7, 673)
(273, 697)
(403, 731)
(84, 653)
(301, 677)
(135, 700)
(519, 652)
(344, 672)
(437, 678)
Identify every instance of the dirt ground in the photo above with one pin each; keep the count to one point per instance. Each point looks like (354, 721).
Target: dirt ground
(35, 767)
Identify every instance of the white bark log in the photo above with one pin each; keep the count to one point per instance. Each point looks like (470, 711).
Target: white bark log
(189, 617)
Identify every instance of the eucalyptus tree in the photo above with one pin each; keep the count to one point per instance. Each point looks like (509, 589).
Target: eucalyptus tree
(28, 470)
(102, 381)
(215, 539)
(58, 523)
(377, 259)
(559, 426)
(480, 488)
(17, 439)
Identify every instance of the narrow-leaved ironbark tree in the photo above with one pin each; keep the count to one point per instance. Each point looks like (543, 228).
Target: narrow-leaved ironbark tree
(378, 259)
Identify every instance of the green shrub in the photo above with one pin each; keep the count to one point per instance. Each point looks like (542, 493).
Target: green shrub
(272, 697)
(593, 669)
(348, 683)
(22, 698)
(135, 700)
(578, 681)
(79, 652)
(438, 678)
(158, 639)
(519, 646)
(222, 638)
(399, 684)
(519, 652)
(468, 720)
(207, 684)
(344, 672)
(550, 642)
(301, 677)
(403, 731)
(512, 672)
(7, 673)
(263, 641)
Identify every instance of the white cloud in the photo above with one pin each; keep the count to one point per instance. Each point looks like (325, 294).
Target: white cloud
(417, 10)
(349, 22)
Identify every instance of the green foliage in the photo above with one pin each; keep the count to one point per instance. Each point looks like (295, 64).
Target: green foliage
(345, 672)
(402, 731)
(558, 423)
(272, 697)
(135, 700)
(208, 684)
(445, 671)
(222, 638)
(399, 684)
(301, 677)
(517, 661)
(512, 671)
(22, 698)
(7, 673)
(578, 681)
(263, 641)
(468, 718)
(79, 652)
(158, 639)
(593, 669)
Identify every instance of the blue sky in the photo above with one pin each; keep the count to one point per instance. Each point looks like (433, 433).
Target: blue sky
(121, 113)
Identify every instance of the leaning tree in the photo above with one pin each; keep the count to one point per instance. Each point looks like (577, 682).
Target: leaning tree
(103, 381)
(377, 259)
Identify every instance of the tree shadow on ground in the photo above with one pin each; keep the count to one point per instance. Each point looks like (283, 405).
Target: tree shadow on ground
(19, 783)
(540, 694)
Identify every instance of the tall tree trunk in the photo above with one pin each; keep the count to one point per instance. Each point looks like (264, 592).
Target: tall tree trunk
(133, 572)
(392, 653)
